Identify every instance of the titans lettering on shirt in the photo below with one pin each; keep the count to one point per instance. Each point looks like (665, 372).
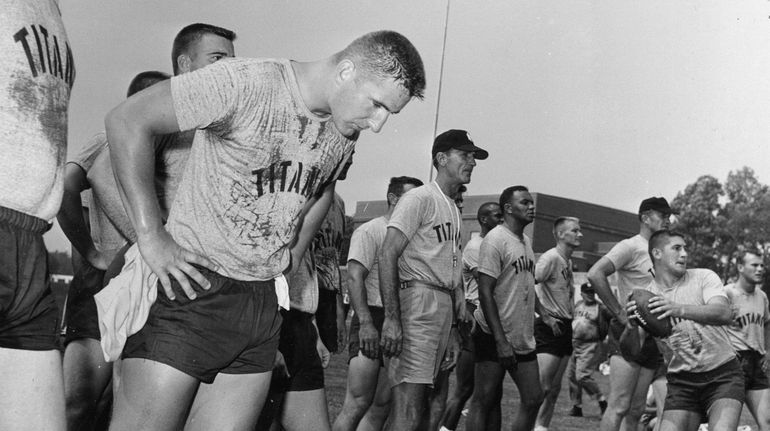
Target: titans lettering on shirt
(750, 319)
(44, 53)
(444, 232)
(523, 264)
(288, 176)
(328, 238)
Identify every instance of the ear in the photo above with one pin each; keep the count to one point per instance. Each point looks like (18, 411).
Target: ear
(392, 199)
(183, 63)
(345, 71)
(657, 253)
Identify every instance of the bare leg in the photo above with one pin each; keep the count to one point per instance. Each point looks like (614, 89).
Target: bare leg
(623, 378)
(86, 375)
(551, 372)
(375, 417)
(680, 420)
(305, 410)
(638, 400)
(527, 381)
(463, 390)
(33, 390)
(409, 405)
(437, 400)
(758, 403)
(362, 383)
(486, 389)
(724, 414)
(231, 402)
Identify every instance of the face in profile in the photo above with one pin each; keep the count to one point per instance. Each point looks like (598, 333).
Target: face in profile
(210, 48)
(522, 206)
(571, 233)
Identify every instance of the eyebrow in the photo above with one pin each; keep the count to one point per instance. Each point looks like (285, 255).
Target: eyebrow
(387, 108)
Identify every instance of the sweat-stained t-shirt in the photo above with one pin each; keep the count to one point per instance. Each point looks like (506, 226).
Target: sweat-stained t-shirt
(431, 222)
(512, 262)
(327, 245)
(471, 262)
(555, 288)
(258, 156)
(632, 265)
(692, 346)
(747, 332)
(365, 245)
(36, 76)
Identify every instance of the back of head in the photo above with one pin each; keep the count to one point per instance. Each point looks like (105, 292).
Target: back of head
(191, 34)
(485, 209)
(387, 54)
(145, 79)
(396, 185)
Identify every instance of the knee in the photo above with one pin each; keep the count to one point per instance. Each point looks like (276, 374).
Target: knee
(360, 402)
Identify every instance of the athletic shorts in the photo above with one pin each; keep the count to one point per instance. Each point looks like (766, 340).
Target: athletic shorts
(326, 319)
(29, 315)
(232, 328)
(354, 346)
(426, 321)
(466, 329)
(649, 357)
(486, 348)
(80, 315)
(298, 347)
(696, 392)
(548, 342)
(751, 363)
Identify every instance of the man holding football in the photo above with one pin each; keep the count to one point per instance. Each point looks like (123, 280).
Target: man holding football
(704, 377)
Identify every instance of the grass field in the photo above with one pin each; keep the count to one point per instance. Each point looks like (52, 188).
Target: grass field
(336, 380)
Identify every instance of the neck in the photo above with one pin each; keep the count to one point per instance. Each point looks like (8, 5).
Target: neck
(645, 231)
(565, 249)
(447, 185)
(746, 285)
(313, 85)
(514, 226)
(666, 279)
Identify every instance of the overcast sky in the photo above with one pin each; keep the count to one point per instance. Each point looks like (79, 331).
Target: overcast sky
(607, 102)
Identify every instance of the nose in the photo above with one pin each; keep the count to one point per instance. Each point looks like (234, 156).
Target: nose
(378, 120)
(472, 160)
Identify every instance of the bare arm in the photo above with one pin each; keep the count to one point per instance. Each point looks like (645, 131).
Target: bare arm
(392, 248)
(367, 334)
(130, 128)
(488, 305)
(716, 312)
(597, 275)
(311, 218)
(71, 219)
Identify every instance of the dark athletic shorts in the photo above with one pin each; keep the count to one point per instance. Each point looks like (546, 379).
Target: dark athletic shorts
(326, 319)
(28, 313)
(232, 328)
(696, 392)
(354, 346)
(466, 329)
(298, 346)
(751, 363)
(486, 348)
(80, 315)
(548, 342)
(649, 357)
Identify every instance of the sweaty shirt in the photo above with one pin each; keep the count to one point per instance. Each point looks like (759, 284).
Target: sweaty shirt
(36, 75)
(327, 245)
(512, 262)
(555, 289)
(431, 222)
(695, 347)
(257, 157)
(747, 332)
(471, 262)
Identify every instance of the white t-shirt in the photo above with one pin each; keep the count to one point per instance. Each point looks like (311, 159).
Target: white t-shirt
(555, 288)
(511, 261)
(693, 346)
(365, 245)
(747, 331)
(471, 262)
(431, 222)
(632, 265)
(36, 75)
(258, 156)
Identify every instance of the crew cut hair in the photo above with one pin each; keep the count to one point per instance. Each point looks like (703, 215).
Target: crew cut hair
(507, 194)
(559, 222)
(396, 186)
(145, 79)
(191, 34)
(388, 54)
(660, 238)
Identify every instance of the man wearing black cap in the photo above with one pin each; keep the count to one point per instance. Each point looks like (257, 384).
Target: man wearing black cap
(629, 377)
(421, 280)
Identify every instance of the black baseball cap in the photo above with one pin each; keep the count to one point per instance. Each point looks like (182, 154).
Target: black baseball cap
(587, 288)
(458, 140)
(658, 204)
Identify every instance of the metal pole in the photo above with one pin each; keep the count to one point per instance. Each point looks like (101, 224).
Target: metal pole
(440, 79)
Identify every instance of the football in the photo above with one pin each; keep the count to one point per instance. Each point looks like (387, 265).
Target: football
(647, 320)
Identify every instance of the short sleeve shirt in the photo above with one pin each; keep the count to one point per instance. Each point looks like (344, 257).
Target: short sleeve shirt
(555, 288)
(632, 265)
(431, 222)
(258, 156)
(511, 261)
(471, 262)
(585, 324)
(747, 332)
(327, 245)
(365, 245)
(695, 347)
(106, 236)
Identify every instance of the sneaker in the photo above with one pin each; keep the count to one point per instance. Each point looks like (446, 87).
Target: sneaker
(464, 412)
(576, 412)
(602, 405)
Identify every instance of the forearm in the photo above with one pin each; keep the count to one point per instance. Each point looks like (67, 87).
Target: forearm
(601, 284)
(709, 314)
(358, 297)
(767, 338)
(489, 308)
(312, 218)
(389, 284)
(70, 218)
